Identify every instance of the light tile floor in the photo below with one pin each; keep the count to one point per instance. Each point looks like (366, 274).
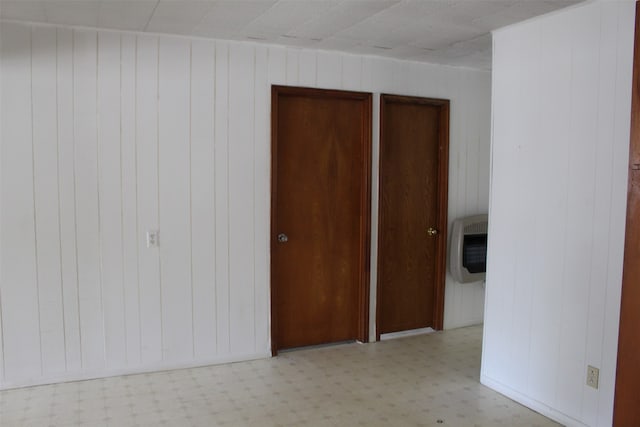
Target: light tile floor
(426, 380)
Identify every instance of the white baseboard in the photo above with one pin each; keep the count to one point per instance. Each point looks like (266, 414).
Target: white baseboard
(409, 333)
(105, 373)
(530, 403)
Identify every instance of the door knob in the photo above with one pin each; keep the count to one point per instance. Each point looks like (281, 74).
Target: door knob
(282, 238)
(432, 232)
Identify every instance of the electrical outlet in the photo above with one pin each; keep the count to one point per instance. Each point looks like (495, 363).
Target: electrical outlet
(592, 376)
(153, 238)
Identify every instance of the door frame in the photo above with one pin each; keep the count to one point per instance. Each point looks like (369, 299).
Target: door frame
(626, 398)
(442, 198)
(365, 200)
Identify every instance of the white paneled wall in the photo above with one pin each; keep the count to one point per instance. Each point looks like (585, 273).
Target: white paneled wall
(561, 108)
(108, 135)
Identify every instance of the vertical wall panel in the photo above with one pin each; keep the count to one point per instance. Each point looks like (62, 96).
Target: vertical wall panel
(602, 176)
(67, 199)
(18, 264)
(621, 132)
(526, 133)
(45, 168)
(241, 198)
(292, 67)
(136, 133)
(472, 152)
(329, 70)
(580, 194)
(221, 167)
(483, 133)
(458, 154)
(375, 190)
(174, 162)
(87, 199)
(567, 133)
(555, 69)
(262, 198)
(129, 194)
(400, 77)
(397, 83)
(147, 192)
(471, 309)
(276, 74)
(110, 192)
(307, 68)
(351, 72)
(277, 67)
(381, 79)
(601, 212)
(455, 293)
(2, 365)
(503, 191)
(452, 291)
(366, 84)
(367, 74)
(203, 236)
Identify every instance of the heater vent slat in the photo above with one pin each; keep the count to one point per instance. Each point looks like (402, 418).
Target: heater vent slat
(476, 228)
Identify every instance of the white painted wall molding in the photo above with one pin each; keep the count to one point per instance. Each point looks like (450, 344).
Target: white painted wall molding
(152, 367)
(527, 401)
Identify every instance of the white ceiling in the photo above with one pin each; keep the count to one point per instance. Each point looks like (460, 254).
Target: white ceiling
(454, 32)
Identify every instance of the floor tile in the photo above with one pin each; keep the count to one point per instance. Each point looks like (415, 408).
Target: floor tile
(426, 380)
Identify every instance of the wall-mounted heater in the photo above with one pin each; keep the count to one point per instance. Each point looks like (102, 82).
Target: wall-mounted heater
(468, 250)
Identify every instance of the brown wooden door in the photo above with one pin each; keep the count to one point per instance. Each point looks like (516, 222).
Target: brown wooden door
(413, 200)
(320, 216)
(627, 399)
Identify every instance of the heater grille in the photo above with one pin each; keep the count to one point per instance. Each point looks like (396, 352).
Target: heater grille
(468, 250)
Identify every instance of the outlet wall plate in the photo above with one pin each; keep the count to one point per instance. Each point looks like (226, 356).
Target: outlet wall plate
(593, 375)
(153, 238)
